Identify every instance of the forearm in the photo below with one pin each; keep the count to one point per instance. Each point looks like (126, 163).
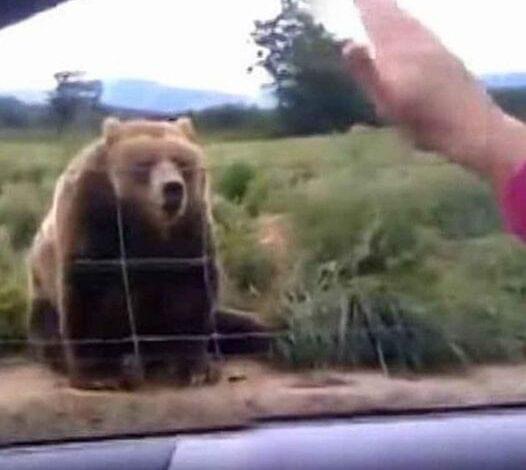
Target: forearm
(417, 83)
(491, 146)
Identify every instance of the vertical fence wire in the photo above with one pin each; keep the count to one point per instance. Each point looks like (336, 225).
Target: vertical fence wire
(126, 283)
(211, 296)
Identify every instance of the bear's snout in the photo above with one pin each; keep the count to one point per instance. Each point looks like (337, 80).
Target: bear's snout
(173, 195)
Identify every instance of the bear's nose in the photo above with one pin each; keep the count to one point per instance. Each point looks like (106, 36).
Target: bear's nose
(173, 193)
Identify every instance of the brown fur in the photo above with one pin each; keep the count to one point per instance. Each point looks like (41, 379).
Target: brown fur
(132, 163)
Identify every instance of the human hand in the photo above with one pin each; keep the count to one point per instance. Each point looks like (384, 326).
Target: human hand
(416, 82)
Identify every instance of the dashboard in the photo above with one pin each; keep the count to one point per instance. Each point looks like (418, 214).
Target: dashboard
(469, 439)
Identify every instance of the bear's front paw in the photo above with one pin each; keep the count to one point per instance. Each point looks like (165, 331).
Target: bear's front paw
(193, 372)
(213, 374)
(209, 375)
(103, 384)
(127, 376)
(132, 372)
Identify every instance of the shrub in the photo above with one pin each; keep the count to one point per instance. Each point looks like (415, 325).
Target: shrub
(235, 180)
(245, 263)
(416, 253)
(356, 324)
(465, 211)
(335, 221)
(251, 268)
(257, 194)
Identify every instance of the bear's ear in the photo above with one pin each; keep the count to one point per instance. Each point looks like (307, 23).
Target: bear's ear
(186, 127)
(111, 129)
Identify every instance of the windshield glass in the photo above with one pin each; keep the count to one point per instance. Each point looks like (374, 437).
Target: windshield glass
(204, 220)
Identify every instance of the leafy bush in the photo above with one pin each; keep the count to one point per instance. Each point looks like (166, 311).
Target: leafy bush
(257, 194)
(407, 316)
(245, 263)
(417, 252)
(235, 180)
(251, 269)
(346, 326)
(465, 211)
(336, 221)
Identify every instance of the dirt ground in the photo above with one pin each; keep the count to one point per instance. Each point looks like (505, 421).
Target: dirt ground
(36, 404)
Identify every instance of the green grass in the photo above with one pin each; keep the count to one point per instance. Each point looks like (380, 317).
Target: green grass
(395, 259)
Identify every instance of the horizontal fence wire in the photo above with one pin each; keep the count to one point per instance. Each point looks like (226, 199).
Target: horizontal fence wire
(126, 264)
(144, 339)
(141, 263)
(275, 334)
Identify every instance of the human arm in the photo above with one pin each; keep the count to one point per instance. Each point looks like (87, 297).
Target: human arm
(416, 82)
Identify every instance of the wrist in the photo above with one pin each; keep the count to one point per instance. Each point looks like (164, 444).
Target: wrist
(506, 148)
(491, 146)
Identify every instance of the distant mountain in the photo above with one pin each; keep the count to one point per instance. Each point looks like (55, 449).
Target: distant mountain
(148, 96)
(151, 96)
(27, 96)
(508, 80)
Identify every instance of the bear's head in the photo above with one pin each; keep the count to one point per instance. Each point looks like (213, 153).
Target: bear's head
(156, 166)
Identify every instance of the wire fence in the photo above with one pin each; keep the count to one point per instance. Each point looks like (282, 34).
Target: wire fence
(386, 347)
(340, 335)
(153, 264)
(146, 339)
(124, 264)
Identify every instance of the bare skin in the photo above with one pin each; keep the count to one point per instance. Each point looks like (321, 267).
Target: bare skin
(416, 82)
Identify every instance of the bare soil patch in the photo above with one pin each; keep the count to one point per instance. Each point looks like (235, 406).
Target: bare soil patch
(36, 404)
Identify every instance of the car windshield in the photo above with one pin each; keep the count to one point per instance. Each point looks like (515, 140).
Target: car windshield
(204, 222)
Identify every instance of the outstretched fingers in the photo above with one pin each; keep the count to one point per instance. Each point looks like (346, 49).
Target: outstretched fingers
(387, 24)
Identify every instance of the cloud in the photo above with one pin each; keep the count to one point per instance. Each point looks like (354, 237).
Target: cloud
(192, 43)
(205, 43)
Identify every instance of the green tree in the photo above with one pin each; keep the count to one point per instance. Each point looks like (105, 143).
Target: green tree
(73, 97)
(313, 91)
(13, 113)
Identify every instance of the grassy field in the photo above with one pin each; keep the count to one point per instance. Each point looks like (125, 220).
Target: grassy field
(369, 252)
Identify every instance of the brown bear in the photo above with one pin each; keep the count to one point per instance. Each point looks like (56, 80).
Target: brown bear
(102, 264)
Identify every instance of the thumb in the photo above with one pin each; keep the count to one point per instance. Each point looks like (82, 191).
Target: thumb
(360, 62)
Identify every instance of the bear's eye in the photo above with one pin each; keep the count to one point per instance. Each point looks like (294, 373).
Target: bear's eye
(184, 166)
(142, 167)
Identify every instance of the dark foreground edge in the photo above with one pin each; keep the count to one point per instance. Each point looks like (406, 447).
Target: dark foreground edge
(469, 437)
(13, 11)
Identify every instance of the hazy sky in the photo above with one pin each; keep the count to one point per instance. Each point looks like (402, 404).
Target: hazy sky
(489, 35)
(206, 43)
